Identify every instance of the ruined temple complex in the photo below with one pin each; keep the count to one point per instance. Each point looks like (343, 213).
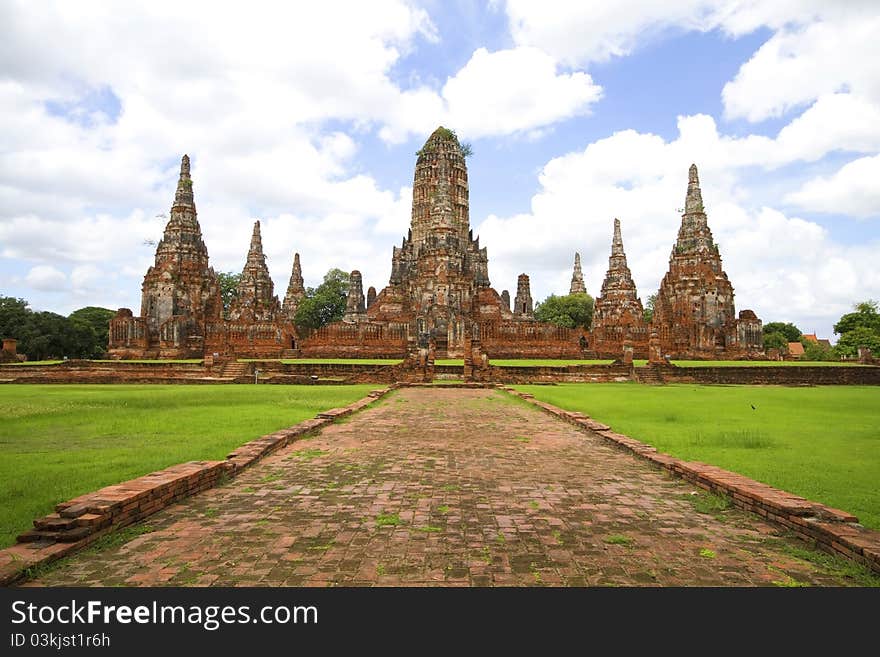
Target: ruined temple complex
(439, 299)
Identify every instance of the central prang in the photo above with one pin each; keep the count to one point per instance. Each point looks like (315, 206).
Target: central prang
(439, 291)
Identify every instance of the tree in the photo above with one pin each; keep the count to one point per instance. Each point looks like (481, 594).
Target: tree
(42, 335)
(571, 310)
(814, 351)
(849, 342)
(649, 308)
(324, 304)
(791, 332)
(228, 289)
(98, 319)
(865, 316)
(776, 340)
(14, 315)
(50, 335)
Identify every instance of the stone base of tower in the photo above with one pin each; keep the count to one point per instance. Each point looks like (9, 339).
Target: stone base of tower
(249, 340)
(359, 340)
(179, 338)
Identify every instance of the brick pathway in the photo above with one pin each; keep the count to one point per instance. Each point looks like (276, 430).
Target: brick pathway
(447, 487)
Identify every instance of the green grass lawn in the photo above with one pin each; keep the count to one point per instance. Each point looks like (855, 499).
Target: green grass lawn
(760, 363)
(341, 361)
(526, 362)
(60, 441)
(822, 443)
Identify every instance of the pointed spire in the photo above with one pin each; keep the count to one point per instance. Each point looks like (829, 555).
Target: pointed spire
(295, 290)
(255, 252)
(694, 200)
(296, 273)
(617, 240)
(182, 232)
(617, 260)
(256, 299)
(184, 193)
(577, 277)
(694, 234)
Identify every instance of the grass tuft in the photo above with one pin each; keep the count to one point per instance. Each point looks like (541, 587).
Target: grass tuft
(619, 539)
(388, 520)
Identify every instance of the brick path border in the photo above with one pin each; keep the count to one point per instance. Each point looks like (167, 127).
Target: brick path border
(84, 519)
(832, 530)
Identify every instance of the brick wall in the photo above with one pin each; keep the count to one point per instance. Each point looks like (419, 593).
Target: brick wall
(770, 375)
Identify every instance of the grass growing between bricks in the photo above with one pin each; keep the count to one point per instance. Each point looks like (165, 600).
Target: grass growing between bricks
(833, 565)
(60, 441)
(114, 539)
(821, 442)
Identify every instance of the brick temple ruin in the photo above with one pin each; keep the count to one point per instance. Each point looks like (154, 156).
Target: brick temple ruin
(439, 301)
(694, 314)
(181, 306)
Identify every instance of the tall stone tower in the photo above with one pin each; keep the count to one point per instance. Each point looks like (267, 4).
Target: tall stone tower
(618, 314)
(694, 313)
(355, 303)
(439, 300)
(577, 277)
(296, 291)
(180, 284)
(439, 272)
(522, 304)
(255, 300)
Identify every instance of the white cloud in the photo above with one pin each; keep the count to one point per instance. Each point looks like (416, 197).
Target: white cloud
(513, 90)
(818, 48)
(781, 266)
(497, 93)
(47, 278)
(852, 190)
(593, 30)
(798, 65)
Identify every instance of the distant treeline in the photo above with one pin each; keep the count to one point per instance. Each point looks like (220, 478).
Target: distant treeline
(44, 335)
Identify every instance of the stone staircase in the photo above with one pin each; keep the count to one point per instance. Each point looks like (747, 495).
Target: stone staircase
(649, 375)
(236, 370)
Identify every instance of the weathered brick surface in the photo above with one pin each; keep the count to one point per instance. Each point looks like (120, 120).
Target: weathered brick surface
(832, 529)
(450, 487)
(782, 375)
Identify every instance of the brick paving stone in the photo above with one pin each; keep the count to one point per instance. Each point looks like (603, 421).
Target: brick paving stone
(447, 487)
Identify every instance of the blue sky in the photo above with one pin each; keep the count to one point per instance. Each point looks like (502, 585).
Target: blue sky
(576, 114)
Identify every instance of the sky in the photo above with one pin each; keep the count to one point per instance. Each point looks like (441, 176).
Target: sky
(307, 116)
